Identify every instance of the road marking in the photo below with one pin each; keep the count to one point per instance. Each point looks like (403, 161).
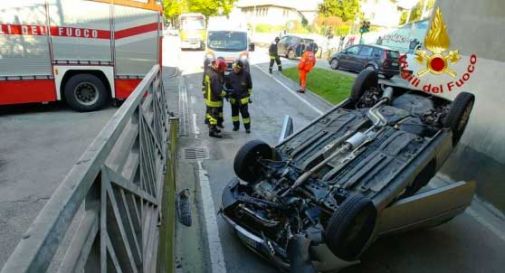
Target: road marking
(217, 261)
(292, 92)
(196, 130)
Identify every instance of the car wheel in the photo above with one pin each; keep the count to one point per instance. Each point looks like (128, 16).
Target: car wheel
(291, 54)
(365, 80)
(334, 64)
(459, 114)
(246, 163)
(350, 227)
(85, 92)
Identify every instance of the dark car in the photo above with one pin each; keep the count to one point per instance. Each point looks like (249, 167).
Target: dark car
(350, 176)
(291, 46)
(374, 57)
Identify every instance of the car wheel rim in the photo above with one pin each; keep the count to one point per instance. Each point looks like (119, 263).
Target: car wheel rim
(86, 93)
(334, 64)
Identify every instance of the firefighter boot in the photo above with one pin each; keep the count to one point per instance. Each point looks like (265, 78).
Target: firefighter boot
(213, 132)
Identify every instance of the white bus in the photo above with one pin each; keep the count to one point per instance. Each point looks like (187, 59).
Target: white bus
(85, 52)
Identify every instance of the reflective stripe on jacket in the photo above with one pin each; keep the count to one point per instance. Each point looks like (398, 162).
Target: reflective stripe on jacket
(241, 86)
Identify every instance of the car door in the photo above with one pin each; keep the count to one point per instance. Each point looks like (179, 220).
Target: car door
(294, 44)
(281, 46)
(350, 57)
(364, 55)
(347, 56)
(441, 201)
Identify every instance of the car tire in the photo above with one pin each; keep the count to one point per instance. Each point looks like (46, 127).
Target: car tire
(85, 92)
(350, 227)
(246, 164)
(458, 115)
(365, 80)
(291, 54)
(370, 67)
(334, 64)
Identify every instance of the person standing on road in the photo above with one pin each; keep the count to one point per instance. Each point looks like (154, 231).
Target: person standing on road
(307, 62)
(213, 95)
(221, 69)
(240, 92)
(274, 55)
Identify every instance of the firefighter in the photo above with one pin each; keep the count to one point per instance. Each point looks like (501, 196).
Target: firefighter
(213, 94)
(221, 69)
(240, 89)
(307, 62)
(274, 55)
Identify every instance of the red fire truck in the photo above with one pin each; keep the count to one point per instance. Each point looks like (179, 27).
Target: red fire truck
(85, 52)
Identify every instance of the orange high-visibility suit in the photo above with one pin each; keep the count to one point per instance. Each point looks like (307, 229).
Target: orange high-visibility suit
(307, 62)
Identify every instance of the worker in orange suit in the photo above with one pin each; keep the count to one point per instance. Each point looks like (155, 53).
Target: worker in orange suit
(307, 62)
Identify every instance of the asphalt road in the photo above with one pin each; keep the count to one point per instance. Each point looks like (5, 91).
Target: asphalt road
(39, 144)
(472, 242)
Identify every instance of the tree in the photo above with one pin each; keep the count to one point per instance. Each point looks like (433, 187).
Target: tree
(210, 8)
(345, 9)
(174, 8)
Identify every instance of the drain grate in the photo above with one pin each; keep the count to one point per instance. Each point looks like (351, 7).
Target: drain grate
(195, 153)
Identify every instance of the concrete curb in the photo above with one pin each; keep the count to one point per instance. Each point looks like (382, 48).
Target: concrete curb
(166, 244)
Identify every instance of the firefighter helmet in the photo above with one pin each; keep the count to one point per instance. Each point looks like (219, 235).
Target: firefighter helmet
(221, 64)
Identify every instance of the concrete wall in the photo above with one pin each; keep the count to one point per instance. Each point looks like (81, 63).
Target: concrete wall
(478, 27)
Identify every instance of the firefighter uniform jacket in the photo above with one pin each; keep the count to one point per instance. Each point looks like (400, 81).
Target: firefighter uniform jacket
(272, 50)
(213, 88)
(241, 86)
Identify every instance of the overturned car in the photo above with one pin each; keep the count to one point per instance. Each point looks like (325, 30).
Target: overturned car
(320, 197)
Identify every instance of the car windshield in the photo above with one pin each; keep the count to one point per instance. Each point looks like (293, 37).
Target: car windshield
(227, 40)
(192, 23)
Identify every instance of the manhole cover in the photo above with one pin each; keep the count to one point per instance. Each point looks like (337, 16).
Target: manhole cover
(197, 153)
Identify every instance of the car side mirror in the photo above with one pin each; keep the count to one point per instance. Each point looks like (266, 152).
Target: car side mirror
(251, 47)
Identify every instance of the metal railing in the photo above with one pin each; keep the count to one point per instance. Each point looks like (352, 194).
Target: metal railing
(104, 216)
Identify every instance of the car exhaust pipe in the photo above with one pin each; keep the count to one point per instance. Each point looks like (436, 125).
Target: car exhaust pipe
(374, 115)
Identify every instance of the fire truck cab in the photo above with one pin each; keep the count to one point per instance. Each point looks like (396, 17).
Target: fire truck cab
(83, 52)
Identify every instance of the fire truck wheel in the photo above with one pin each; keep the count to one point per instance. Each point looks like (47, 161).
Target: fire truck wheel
(85, 92)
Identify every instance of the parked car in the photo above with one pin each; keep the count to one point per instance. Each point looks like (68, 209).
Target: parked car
(322, 195)
(291, 46)
(374, 57)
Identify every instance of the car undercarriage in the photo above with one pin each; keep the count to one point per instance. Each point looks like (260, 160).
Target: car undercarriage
(329, 182)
